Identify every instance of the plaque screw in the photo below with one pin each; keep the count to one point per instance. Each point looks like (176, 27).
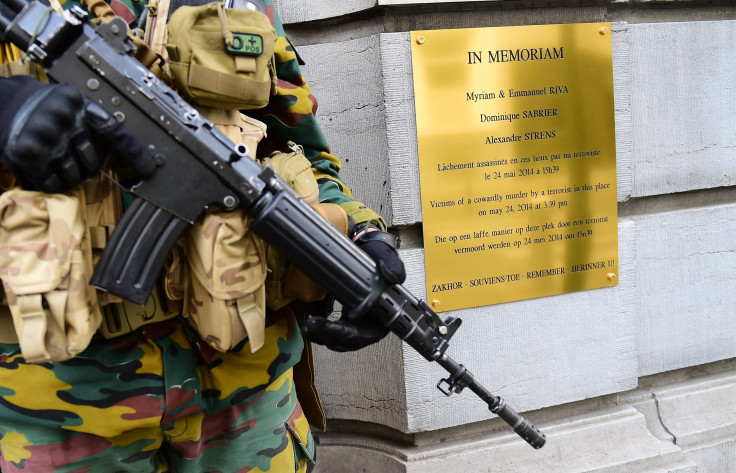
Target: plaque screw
(603, 30)
(436, 303)
(420, 39)
(611, 276)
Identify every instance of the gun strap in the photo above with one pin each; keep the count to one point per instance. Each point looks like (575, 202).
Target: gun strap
(155, 35)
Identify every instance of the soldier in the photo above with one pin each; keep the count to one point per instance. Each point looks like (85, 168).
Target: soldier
(160, 397)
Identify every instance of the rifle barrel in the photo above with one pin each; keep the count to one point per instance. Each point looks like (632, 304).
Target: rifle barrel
(461, 378)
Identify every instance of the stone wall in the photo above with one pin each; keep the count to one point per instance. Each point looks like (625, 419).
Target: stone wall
(638, 377)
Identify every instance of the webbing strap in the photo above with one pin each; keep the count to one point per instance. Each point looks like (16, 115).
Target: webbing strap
(98, 236)
(15, 69)
(99, 9)
(229, 85)
(32, 336)
(254, 320)
(245, 64)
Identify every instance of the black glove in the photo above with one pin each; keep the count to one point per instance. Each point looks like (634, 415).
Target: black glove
(381, 247)
(53, 136)
(343, 335)
(351, 335)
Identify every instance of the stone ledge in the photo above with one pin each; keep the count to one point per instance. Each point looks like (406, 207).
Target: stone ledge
(682, 421)
(699, 416)
(612, 440)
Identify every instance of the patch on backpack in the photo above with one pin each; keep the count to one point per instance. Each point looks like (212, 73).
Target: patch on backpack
(245, 44)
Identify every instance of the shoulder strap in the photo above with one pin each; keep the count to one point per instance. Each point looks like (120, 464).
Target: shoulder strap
(155, 34)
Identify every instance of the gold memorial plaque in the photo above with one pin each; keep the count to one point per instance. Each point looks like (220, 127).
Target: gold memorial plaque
(517, 162)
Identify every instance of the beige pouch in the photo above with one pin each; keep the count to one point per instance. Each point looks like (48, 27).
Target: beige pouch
(225, 296)
(45, 265)
(294, 168)
(222, 57)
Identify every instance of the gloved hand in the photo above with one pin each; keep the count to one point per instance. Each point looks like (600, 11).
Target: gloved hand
(350, 335)
(343, 335)
(381, 247)
(52, 136)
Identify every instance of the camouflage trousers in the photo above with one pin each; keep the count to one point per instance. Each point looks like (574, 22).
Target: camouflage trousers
(157, 400)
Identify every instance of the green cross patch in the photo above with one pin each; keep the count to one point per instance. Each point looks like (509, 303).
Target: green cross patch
(246, 44)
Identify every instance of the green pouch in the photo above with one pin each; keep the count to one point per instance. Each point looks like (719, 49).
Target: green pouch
(222, 57)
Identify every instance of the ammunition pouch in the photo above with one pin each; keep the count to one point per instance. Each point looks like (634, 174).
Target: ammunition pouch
(225, 296)
(222, 57)
(45, 263)
(103, 209)
(285, 282)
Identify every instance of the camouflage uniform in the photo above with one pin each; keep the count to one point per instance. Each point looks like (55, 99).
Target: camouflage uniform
(161, 399)
(158, 399)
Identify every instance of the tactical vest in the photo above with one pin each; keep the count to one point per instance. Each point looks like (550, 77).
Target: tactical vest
(220, 276)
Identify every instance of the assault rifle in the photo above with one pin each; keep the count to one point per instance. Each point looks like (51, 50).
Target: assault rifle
(193, 156)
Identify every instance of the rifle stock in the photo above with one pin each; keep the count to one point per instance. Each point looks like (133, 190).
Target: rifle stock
(194, 157)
